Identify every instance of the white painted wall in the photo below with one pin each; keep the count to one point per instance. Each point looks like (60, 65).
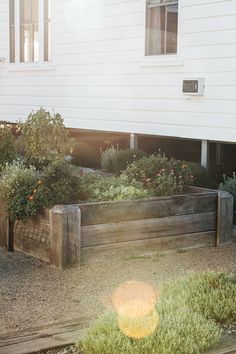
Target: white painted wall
(99, 78)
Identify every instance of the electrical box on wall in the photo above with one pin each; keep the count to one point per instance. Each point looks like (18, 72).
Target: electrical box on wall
(194, 87)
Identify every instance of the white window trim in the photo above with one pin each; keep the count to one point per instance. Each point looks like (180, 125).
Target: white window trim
(22, 66)
(163, 59)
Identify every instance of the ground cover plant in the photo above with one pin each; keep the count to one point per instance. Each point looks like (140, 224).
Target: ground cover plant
(97, 188)
(190, 310)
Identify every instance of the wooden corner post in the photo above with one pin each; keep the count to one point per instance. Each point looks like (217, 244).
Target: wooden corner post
(65, 235)
(224, 218)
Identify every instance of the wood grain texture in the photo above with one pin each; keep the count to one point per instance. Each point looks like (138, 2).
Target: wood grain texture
(224, 218)
(3, 226)
(65, 235)
(145, 229)
(44, 337)
(103, 213)
(33, 248)
(107, 252)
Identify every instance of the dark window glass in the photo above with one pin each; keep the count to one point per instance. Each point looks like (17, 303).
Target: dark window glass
(161, 27)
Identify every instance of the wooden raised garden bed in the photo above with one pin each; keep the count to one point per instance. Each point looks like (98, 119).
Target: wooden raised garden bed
(85, 233)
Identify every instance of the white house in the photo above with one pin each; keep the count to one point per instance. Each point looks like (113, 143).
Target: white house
(121, 65)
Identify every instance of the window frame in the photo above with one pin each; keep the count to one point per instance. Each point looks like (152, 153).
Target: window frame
(41, 63)
(175, 59)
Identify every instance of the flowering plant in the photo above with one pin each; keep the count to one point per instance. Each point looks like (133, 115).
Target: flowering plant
(16, 185)
(162, 175)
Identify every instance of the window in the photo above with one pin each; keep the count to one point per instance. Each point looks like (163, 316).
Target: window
(30, 26)
(12, 31)
(161, 27)
(47, 30)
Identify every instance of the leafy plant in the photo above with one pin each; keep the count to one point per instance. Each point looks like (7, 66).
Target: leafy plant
(17, 184)
(44, 137)
(229, 185)
(95, 187)
(7, 145)
(58, 185)
(162, 175)
(26, 191)
(201, 175)
(115, 160)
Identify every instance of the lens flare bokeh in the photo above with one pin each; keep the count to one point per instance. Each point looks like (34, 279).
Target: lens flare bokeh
(134, 303)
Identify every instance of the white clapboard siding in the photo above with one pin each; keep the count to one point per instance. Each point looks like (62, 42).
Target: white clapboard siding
(100, 79)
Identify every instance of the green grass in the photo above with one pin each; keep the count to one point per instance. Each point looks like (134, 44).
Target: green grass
(190, 312)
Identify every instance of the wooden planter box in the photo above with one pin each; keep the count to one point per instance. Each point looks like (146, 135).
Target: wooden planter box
(85, 233)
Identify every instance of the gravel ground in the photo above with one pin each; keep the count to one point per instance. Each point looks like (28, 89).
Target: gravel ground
(33, 294)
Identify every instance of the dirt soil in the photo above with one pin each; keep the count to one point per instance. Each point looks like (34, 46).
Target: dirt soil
(33, 294)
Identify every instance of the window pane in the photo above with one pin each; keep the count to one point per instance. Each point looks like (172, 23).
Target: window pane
(25, 48)
(172, 27)
(12, 30)
(35, 42)
(35, 10)
(161, 27)
(25, 11)
(29, 31)
(47, 30)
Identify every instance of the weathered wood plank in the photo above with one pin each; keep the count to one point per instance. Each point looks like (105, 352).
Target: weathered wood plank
(3, 225)
(227, 345)
(102, 253)
(45, 337)
(33, 248)
(225, 218)
(65, 232)
(33, 236)
(145, 229)
(103, 213)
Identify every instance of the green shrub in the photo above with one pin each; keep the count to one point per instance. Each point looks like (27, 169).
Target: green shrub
(17, 184)
(201, 175)
(44, 137)
(26, 191)
(189, 311)
(229, 185)
(98, 188)
(58, 185)
(7, 145)
(210, 294)
(115, 160)
(161, 175)
(178, 332)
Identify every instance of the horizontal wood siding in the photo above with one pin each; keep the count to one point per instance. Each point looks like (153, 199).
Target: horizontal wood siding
(100, 79)
(95, 235)
(103, 213)
(147, 247)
